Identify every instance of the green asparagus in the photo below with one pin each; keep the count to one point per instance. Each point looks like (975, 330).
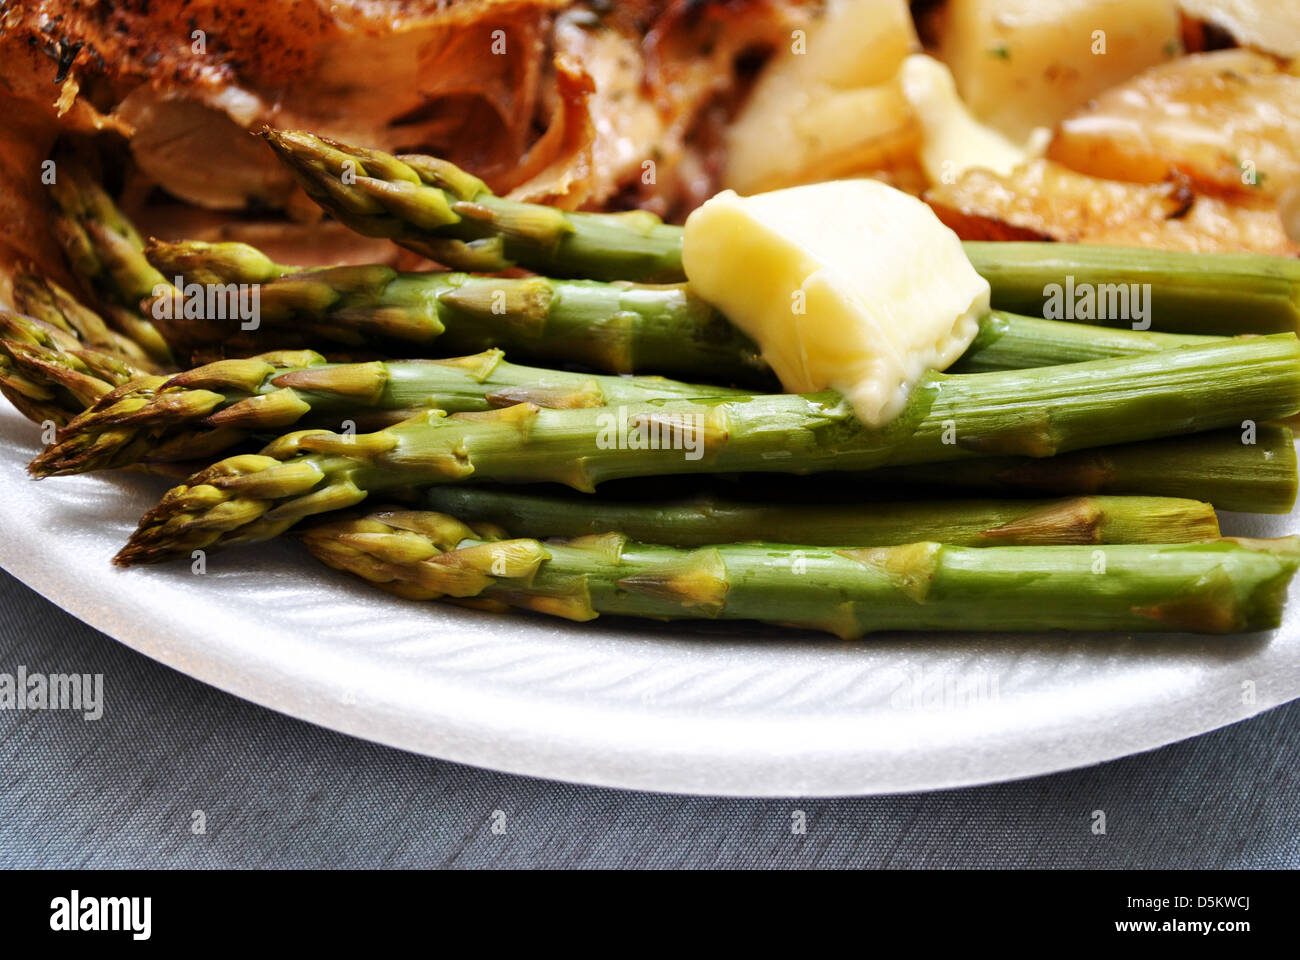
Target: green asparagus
(702, 521)
(621, 328)
(1224, 293)
(430, 206)
(106, 252)
(616, 327)
(1250, 468)
(1223, 586)
(147, 419)
(48, 374)
(1036, 412)
(1008, 341)
(439, 210)
(35, 295)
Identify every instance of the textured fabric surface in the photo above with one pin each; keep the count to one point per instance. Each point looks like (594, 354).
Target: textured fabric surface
(123, 791)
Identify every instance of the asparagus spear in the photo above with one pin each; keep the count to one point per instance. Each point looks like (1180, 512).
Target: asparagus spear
(701, 521)
(1222, 586)
(620, 328)
(1226, 293)
(432, 207)
(36, 397)
(1022, 412)
(1008, 341)
(616, 327)
(439, 210)
(1250, 469)
(106, 252)
(1229, 468)
(35, 295)
(147, 419)
(48, 374)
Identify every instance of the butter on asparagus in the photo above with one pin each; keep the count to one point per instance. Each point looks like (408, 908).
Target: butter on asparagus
(850, 285)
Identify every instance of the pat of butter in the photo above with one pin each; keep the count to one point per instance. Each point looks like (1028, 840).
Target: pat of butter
(849, 284)
(953, 141)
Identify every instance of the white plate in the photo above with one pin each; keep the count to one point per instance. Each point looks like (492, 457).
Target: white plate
(679, 708)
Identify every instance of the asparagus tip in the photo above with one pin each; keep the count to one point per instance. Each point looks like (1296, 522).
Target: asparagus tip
(240, 499)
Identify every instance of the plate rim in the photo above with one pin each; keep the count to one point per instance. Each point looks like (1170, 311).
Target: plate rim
(581, 765)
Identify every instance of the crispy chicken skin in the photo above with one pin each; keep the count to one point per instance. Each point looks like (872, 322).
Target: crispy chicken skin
(475, 81)
(553, 101)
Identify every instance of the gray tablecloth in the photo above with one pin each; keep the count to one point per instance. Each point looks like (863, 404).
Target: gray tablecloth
(176, 774)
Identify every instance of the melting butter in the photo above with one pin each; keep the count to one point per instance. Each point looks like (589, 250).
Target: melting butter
(849, 284)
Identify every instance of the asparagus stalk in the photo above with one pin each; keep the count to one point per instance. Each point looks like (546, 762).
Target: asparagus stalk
(106, 252)
(1022, 412)
(702, 521)
(430, 206)
(616, 327)
(35, 295)
(439, 210)
(1251, 470)
(1222, 586)
(1225, 293)
(48, 374)
(1008, 341)
(621, 328)
(149, 419)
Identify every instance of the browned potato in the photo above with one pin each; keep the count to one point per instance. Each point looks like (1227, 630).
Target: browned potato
(1045, 201)
(1228, 121)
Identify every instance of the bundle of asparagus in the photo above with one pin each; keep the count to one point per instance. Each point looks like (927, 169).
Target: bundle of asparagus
(1144, 433)
(1029, 412)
